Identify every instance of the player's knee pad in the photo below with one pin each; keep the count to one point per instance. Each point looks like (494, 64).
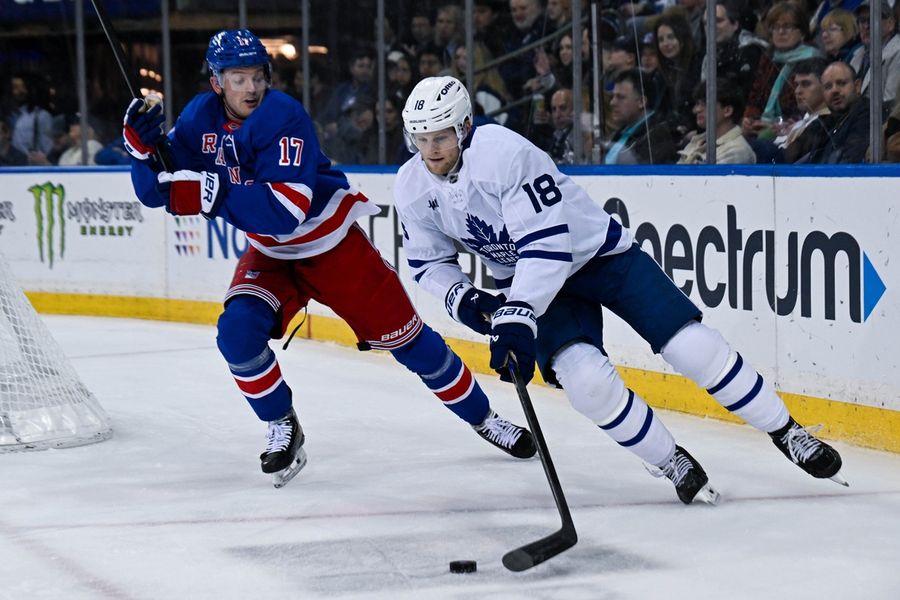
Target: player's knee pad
(244, 329)
(592, 384)
(700, 353)
(425, 354)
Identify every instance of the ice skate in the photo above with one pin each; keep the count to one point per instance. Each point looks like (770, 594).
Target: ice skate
(284, 456)
(510, 438)
(808, 452)
(688, 476)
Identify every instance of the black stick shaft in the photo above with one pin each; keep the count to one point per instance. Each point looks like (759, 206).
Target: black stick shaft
(105, 23)
(543, 452)
(127, 75)
(538, 551)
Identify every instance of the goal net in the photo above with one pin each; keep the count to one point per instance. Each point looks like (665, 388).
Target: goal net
(43, 403)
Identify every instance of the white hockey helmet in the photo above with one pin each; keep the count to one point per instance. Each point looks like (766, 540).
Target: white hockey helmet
(436, 103)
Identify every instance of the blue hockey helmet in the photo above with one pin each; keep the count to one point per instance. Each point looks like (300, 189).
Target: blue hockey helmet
(232, 48)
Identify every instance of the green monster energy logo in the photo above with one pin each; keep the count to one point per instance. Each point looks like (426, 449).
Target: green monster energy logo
(49, 216)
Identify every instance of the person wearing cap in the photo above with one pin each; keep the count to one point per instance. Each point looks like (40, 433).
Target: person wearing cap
(890, 52)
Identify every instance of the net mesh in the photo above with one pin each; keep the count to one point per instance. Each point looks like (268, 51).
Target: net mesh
(43, 403)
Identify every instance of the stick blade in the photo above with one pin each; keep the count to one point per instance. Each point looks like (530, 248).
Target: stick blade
(534, 553)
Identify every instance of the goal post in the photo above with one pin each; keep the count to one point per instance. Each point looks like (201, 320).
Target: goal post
(43, 402)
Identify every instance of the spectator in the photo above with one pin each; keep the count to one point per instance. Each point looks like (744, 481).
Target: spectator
(810, 95)
(529, 25)
(562, 146)
(72, 156)
(113, 153)
(826, 6)
(449, 31)
(362, 68)
(731, 147)
(396, 151)
(10, 156)
(738, 51)
(421, 32)
(643, 136)
(430, 61)
(400, 77)
(31, 123)
(649, 53)
(59, 133)
(622, 56)
(489, 88)
(680, 68)
(559, 14)
(489, 25)
(771, 96)
(844, 134)
(356, 141)
(839, 34)
(693, 12)
(890, 52)
(892, 135)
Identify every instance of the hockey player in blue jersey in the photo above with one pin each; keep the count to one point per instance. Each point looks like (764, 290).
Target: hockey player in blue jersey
(250, 155)
(557, 258)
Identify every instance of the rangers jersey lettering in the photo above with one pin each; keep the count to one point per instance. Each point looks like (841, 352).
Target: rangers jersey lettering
(532, 225)
(282, 190)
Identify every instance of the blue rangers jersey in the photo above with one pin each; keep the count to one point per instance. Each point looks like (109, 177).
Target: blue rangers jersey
(282, 190)
(531, 225)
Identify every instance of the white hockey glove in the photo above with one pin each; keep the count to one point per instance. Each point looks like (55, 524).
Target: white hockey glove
(192, 192)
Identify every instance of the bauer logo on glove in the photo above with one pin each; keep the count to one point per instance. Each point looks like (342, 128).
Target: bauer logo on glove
(192, 192)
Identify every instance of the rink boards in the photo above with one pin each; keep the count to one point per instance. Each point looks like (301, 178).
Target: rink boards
(793, 267)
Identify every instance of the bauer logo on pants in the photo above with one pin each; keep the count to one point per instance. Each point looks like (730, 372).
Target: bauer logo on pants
(50, 221)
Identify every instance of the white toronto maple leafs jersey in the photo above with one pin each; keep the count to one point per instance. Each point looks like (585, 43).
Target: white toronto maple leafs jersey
(509, 204)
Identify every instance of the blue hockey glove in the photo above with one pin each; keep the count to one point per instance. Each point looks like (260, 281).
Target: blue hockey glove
(472, 307)
(514, 330)
(192, 192)
(142, 127)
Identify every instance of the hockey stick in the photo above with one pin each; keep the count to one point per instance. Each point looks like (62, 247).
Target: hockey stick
(536, 552)
(127, 75)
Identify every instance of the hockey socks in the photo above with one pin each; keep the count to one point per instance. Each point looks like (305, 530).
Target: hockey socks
(594, 388)
(262, 385)
(243, 340)
(703, 355)
(445, 374)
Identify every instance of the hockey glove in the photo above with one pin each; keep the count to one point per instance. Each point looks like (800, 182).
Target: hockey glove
(472, 307)
(514, 330)
(143, 126)
(192, 192)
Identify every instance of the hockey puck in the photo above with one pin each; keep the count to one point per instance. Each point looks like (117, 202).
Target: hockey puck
(463, 566)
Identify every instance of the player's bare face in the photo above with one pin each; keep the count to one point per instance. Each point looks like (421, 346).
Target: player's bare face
(242, 89)
(440, 150)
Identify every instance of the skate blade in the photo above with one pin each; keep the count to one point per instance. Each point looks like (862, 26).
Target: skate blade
(708, 494)
(838, 478)
(281, 478)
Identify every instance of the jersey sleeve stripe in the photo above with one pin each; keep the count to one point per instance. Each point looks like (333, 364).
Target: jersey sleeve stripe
(294, 193)
(329, 225)
(544, 254)
(541, 234)
(613, 235)
(418, 264)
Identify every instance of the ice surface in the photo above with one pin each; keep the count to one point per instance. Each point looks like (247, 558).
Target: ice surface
(174, 506)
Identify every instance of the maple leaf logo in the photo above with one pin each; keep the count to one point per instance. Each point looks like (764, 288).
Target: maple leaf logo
(484, 241)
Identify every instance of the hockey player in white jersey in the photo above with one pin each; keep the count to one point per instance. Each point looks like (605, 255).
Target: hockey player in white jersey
(557, 258)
